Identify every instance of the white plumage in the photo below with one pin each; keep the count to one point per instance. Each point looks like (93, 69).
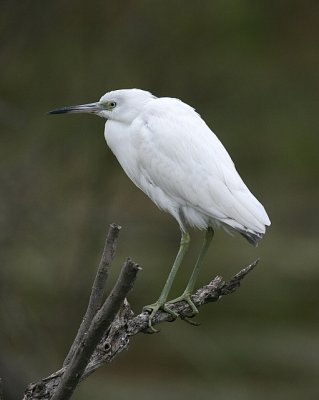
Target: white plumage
(169, 152)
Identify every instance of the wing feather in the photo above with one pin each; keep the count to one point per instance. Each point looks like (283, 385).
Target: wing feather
(183, 158)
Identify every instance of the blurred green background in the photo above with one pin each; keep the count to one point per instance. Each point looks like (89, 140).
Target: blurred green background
(251, 70)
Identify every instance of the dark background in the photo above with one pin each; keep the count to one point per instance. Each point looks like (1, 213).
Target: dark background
(251, 70)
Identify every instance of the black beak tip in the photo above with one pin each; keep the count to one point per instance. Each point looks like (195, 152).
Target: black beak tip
(59, 111)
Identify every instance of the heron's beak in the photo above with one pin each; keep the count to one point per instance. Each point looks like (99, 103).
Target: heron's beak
(91, 108)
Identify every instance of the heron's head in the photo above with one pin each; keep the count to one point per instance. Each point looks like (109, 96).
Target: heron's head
(120, 105)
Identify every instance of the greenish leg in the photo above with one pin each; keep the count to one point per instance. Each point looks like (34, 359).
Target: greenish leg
(160, 303)
(186, 296)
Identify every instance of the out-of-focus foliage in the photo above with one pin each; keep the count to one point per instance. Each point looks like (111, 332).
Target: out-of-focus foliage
(251, 70)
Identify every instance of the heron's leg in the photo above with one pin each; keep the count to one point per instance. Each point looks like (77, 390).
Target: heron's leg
(186, 296)
(160, 303)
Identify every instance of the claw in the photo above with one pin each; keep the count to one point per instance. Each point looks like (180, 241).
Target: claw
(159, 305)
(152, 309)
(169, 311)
(189, 321)
(187, 297)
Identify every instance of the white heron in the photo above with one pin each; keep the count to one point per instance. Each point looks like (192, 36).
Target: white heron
(169, 152)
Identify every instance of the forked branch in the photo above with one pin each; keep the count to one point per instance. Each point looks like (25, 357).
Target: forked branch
(106, 330)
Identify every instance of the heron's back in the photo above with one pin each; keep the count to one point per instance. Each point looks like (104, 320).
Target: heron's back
(183, 167)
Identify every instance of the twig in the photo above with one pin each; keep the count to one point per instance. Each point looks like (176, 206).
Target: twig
(234, 283)
(100, 324)
(97, 288)
(125, 325)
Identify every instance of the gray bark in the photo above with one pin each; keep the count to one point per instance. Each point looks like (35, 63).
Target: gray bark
(111, 327)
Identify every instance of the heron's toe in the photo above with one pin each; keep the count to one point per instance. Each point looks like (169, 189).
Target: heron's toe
(152, 310)
(186, 297)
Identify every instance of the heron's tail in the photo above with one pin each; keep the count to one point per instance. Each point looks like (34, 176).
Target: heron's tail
(252, 237)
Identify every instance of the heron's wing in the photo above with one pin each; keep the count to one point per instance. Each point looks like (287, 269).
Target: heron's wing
(181, 156)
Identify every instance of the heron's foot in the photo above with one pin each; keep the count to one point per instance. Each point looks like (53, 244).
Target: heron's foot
(186, 296)
(153, 308)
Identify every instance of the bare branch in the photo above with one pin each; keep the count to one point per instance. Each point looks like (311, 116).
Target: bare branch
(100, 324)
(214, 291)
(125, 325)
(97, 288)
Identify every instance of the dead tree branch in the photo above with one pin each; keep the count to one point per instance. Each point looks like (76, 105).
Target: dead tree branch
(97, 288)
(108, 330)
(100, 324)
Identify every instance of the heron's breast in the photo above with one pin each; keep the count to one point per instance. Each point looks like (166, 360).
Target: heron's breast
(120, 140)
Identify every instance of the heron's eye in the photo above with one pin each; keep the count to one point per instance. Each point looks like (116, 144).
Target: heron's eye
(112, 104)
